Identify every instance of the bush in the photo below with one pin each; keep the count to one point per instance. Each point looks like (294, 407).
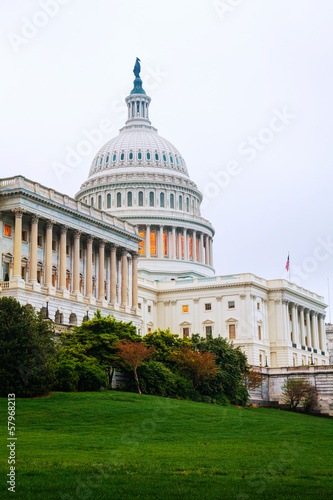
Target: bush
(91, 377)
(299, 391)
(27, 350)
(67, 378)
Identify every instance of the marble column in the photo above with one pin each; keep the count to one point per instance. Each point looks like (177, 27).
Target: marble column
(316, 334)
(194, 246)
(89, 283)
(48, 254)
(33, 249)
(313, 329)
(322, 332)
(62, 266)
(174, 250)
(185, 244)
(294, 323)
(76, 262)
(101, 271)
(308, 328)
(147, 242)
(302, 332)
(135, 280)
(201, 249)
(17, 271)
(179, 241)
(113, 274)
(124, 278)
(160, 243)
(206, 249)
(211, 251)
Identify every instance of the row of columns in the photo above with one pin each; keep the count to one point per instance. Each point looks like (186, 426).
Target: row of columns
(204, 253)
(76, 262)
(312, 334)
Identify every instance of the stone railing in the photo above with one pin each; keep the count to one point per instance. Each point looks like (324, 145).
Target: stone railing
(66, 201)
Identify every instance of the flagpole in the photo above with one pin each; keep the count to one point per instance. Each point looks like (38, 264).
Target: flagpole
(329, 300)
(289, 263)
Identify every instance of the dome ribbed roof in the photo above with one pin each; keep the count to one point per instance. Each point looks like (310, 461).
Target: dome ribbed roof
(138, 147)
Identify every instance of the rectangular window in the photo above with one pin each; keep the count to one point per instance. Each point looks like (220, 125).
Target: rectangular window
(54, 246)
(232, 332)
(294, 359)
(149, 330)
(258, 306)
(260, 359)
(209, 331)
(231, 305)
(208, 307)
(39, 276)
(7, 230)
(40, 241)
(186, 332)
(139, 305)
(185, 309)
(24, 236)
(67, 249)
(149, 309)
(259, 332)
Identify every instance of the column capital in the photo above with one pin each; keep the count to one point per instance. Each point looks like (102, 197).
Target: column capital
(285, 301)
(135, 255)
(49, 224)
(77, 234)
(34, 219)
(114, 247)
(18, 212)
(124, 251)
(301, 308)
(90, 238)
(102, 243)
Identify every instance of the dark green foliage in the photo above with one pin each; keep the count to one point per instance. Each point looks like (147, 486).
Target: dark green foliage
(27, 350)
(232, 363)
(165, 343)
(158, 380)
(91, 377)
(66, 375)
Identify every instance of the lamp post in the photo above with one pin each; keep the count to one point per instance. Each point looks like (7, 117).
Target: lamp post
(47, 300)
(312, 363)
(87, 311)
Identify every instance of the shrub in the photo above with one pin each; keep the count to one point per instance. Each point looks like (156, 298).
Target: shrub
(67, 378)
(91, 377)
(297, 391)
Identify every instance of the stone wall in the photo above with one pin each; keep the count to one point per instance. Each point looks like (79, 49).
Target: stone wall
(319, 376)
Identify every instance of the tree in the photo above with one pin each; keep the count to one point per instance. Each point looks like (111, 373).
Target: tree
(95, 342)
(232, 364)
(134, 354)
(27, 350)
(298, 391)
(165, 343)
(197, 365)
(253, 379)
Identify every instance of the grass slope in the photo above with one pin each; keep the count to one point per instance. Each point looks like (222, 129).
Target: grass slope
(115, 445)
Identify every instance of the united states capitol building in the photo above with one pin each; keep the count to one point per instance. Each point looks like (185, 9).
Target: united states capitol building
(133, 243)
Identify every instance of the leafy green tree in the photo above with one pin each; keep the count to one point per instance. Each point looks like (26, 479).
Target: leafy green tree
(165, 343)
(27, 350)
(95, 341)
(299, 391)
(232, 365)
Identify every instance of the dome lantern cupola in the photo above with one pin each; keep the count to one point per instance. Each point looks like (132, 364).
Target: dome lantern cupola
(138, 101)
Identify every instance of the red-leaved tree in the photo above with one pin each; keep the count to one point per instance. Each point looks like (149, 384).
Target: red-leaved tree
(197, 365)
(134, 354)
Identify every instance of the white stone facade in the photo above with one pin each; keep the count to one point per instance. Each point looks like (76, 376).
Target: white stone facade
(134, 243)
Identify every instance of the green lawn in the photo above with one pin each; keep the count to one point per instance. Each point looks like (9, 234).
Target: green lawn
(115, 445)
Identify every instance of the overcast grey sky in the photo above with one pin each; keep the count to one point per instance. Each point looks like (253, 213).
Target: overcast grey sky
(221, 74)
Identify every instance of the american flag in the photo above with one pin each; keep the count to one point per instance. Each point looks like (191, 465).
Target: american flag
(288, 262)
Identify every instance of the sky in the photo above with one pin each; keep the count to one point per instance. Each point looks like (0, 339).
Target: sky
(241, 87)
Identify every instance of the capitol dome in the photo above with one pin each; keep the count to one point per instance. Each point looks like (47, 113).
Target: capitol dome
(143, 178)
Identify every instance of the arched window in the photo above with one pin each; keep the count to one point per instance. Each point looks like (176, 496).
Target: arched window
(142, 242)
(100, 203)
(177, 160)
(96, 162)
(152, 243)
(180, 202)
(164, 158)
(92, 202)
(139, 156)
(131, 156)
(101, 161)
(156, 157)
(161, 199)
(187, 205)
(107, 159)
(151, 199)
(114, 157)
(140, 198)
(165, 244)
(122, 157)
(172, 201)
(108, 201)
(148, 156)
(118, 199)
(129, 199)
(171, 159)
